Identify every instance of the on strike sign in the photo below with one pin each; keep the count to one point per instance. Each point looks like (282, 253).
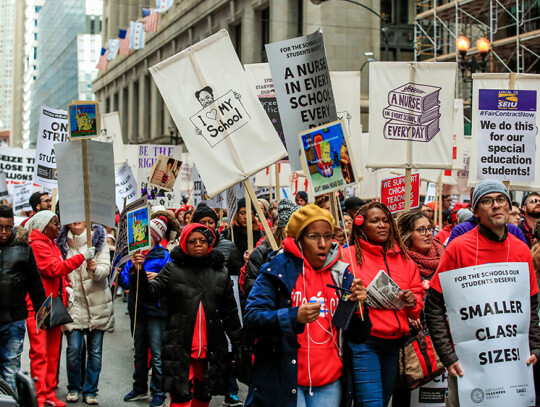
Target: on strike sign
(393, 192)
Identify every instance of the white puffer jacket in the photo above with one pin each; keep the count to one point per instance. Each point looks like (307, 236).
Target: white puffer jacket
(89, 299)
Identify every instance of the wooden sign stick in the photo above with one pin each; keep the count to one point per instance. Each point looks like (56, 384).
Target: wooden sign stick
(276, 169)
(249, 221)
(87, 197)
(53, 204)
(408, 189)
(271, 239)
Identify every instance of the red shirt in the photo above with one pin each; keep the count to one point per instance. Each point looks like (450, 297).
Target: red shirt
(473, 248)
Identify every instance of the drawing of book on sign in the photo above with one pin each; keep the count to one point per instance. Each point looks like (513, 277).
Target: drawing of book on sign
(413, 113)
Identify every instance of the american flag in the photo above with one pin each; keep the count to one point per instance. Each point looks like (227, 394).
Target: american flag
(123, 36)
(113, 49)
(163, 5)
(150, 19)
(102, 64)
(136, 36)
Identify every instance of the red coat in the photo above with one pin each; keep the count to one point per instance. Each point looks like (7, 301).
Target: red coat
(50, 264)
(387, 323)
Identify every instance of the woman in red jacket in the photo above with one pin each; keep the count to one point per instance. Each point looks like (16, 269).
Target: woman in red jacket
(378, 250)
(44, 228)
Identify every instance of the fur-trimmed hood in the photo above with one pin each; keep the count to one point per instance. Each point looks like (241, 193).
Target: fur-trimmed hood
(99, 239)
(214, 259)
(22, 234)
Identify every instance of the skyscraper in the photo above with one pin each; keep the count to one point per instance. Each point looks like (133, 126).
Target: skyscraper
(7, 20)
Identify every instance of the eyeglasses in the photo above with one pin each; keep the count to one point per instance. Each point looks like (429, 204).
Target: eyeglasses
(423, 231)
(46, 200)
(534, 201)
(193, 242)
(6, 228)
(515, 214)
(488, 202)
(315, 237)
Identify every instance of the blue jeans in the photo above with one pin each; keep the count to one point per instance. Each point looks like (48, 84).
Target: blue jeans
(11, 347)
(75, 372)
(148, 335)
(375, 366)
(327, 395)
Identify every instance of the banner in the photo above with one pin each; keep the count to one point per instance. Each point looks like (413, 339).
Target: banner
(393, 192)
(327, 158)
(267, 177)
(71, 182)
(126, 186)
(200, 194)
(21, 197)
(229, 135)
(488, 310)
(411, 114)
(111, 132)
(303, 88)
(17, 164)
(507, 82)
(53, 128)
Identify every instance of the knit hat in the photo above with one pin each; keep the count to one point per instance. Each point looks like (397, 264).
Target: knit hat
(40, 220)
(203, 211)
(488, 186)
(157, 208)
(464, 215)
(196, 227)
(285, 209)
(158, 227)
(182, 208)
(303, 195)
(35, 199)
(304, 216)
(242, 204)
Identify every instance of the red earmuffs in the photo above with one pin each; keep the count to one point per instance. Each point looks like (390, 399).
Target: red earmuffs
(359, 220)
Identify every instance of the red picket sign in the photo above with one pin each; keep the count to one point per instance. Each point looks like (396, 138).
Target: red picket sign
(393, 192)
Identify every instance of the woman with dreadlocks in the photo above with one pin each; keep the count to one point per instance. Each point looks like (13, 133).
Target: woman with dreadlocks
(376, 248)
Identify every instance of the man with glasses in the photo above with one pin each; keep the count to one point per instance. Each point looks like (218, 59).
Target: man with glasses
(515, 214)
(39, 201)
(530, 208)
(489, 242)
(19, 276)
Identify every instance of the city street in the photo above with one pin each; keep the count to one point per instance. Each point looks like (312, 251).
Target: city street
(116, 374)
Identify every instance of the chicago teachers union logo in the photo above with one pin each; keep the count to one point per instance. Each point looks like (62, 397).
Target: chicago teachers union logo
(477, 395)
(507, 100)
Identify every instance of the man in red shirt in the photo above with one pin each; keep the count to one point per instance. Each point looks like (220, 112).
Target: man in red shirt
(489, 242)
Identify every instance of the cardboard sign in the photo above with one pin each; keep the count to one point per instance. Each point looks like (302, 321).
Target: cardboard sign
(53, 128)
(327, 158)
(164, 172)
(83, 120)
(303, 88)
(138, 229)
(393, 192)
(121, 253)
(21, 197)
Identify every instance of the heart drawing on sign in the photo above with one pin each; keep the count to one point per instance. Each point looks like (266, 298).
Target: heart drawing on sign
(212, 114)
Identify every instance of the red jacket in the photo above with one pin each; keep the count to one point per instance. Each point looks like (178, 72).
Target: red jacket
(387, 323)
(444, 234)
(50, 264)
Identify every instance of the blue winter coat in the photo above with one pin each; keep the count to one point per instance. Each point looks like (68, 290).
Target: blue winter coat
(271, 319)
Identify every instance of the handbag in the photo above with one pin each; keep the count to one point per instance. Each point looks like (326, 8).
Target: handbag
(418, 361)
(59, 314)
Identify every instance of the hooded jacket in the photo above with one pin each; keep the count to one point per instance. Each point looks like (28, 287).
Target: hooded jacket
(272, 318)
(89, 300)
(387, 323)
(19, 276)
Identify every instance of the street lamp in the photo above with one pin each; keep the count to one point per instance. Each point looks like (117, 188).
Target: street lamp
(482, 45)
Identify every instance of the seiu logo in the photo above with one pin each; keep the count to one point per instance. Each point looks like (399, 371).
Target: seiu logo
(507, 101)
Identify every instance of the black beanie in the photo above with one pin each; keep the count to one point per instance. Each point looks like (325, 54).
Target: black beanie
(202, 211)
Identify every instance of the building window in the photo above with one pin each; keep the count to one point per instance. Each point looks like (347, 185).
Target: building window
(300, 18)
(238, 40)
(265, 32)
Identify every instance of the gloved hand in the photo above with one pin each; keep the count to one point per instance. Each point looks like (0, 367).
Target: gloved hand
(89, 253)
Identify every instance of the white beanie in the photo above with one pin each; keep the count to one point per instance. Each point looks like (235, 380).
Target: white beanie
(40, 220)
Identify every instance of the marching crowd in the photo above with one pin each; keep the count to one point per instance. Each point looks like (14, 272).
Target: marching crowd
(300, 332)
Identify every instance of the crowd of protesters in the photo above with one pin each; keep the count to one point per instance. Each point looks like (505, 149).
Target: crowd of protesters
(282, 335)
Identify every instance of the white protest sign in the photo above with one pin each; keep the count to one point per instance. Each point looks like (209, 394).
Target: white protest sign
(459, 135)
(267, 177)
(411, 114)
(126, 186)
(111, 132)
(200, 194)
(53, 128)
(21, 197)
(71, 182)
(488, 309)
(346, 87)
(229, 135)
(430, 193)
(432, 394)
(303, 88)
(3, 184)
(17, 164)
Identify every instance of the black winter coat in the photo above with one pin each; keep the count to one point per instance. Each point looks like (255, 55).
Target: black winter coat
(233, 259)
(258, 257)
(240, 237)
(19, 276)
(187, 281)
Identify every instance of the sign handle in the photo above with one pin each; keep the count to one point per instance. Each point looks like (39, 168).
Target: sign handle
(53, 205)
(87, 197)
(439, 199)
(333, 207)
(408, 189)
(249, 222)
(276, 170)
(249, 190)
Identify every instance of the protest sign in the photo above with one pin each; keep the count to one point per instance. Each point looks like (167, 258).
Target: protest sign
(303, 89)
(164, 172)
(126, 186)
(43, 312)
(488, 308)
(430, 193)
(17, 164)
(53, 128)
(393, 192)
(138, 229)
(111, 132)
(346, 87)
(121, 252)
(71, 182)
(229, 136)
(267, 177)
(3, 185)
(432, 394)
(506, 131)
(21, 197)
(327, 158)
(459, 135)
(411, 114)
(200, 194)
(186, 173)
(83, 120)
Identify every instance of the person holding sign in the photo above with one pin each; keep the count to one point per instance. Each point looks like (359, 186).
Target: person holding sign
(489, 242)
(19, 276)
(378, 255)
(292, 310)
(44, 228)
